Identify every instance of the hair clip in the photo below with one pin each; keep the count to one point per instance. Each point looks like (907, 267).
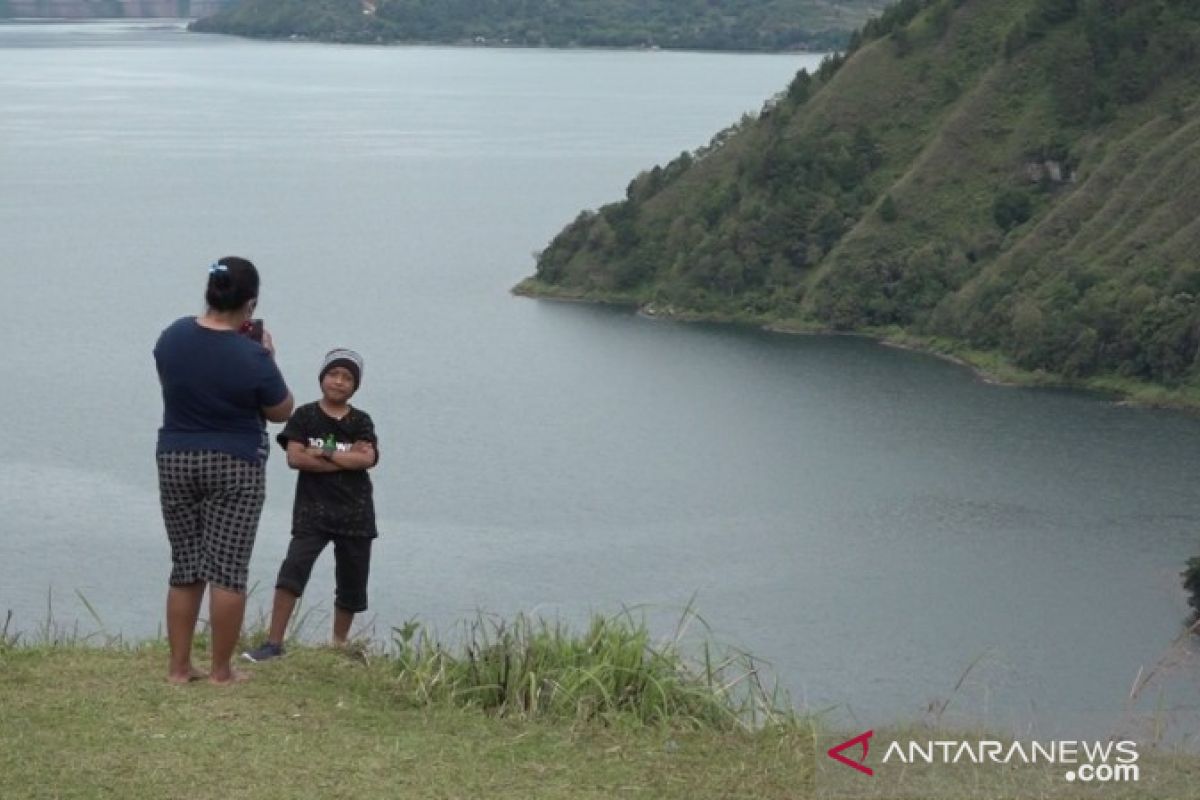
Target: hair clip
(217, 267)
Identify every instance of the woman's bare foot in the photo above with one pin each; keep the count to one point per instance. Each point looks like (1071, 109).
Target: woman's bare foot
(191, 676)
(228, 677)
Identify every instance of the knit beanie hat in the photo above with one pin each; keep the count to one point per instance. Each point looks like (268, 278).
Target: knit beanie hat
(341, 357)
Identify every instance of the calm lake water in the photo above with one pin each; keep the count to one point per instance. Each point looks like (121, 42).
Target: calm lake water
(871, 521)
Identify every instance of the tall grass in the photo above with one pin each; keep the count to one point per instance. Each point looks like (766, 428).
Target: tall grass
(531, 667)
(8, 640)
(51, 632)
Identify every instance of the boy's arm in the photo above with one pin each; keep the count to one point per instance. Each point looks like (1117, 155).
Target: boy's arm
(299, 457)
(365, 440)
(361, 455)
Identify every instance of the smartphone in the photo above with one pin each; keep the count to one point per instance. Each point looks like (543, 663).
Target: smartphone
(253, 328)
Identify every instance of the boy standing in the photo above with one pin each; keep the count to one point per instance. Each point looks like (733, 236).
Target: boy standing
(332, 445)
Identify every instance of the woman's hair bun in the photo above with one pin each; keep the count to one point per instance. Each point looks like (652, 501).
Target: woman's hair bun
(232, 282)
(218, 276)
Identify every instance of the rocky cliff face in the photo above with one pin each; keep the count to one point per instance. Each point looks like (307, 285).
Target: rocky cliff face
(94, 9)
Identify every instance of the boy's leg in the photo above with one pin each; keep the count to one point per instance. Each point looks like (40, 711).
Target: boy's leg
(352, 556)
(281, 613)
(342, 620)
(293, 576)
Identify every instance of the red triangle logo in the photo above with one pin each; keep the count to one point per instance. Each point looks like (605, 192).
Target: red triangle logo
(864, 739)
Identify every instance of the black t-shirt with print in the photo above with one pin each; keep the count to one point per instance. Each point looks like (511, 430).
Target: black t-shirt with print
(332, 503)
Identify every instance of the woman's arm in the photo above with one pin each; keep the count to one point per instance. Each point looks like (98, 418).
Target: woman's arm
(280, 412)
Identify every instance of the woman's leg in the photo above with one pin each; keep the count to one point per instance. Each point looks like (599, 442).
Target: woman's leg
(233, 501)
(183, 607)
(181, 510)
(226, 609)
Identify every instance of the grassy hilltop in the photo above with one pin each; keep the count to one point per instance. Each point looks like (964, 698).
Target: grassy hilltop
(1015, 182)
(102, 723)
(694, 24)
(90, 723)
(517, 709)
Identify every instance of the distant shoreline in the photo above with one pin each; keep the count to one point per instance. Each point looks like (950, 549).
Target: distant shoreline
(989, 367)
(301, 39)
(85, 20)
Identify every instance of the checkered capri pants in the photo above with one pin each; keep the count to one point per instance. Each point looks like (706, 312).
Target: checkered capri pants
(211, 503)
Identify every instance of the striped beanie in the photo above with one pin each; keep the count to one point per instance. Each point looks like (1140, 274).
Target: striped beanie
(342, 357)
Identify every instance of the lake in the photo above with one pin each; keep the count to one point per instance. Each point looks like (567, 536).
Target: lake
(873, 522)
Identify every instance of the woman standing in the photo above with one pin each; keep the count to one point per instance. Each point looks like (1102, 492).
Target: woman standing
(218, 385)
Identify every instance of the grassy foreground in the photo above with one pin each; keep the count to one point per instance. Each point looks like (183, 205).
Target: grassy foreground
(519, 710)
(95, 723)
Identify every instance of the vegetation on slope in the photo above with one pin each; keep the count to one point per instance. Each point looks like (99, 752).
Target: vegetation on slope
(691, 24)
(1015, 178)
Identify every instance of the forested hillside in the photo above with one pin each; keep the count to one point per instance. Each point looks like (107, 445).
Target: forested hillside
(694, 24)
(1019, 179)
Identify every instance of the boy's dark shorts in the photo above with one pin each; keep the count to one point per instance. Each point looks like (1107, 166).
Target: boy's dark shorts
(352, 564)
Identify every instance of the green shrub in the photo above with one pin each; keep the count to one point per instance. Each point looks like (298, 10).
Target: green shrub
(887, 209)
(1191, 582)
(1012, 207)
(529, 667)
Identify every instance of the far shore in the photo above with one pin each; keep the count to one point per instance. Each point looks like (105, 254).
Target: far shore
(989, 367)
(297, 38)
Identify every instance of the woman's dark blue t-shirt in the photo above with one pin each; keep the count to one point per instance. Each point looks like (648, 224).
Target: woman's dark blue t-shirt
(214, 384)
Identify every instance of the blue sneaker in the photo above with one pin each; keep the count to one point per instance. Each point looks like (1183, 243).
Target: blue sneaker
(264, 652)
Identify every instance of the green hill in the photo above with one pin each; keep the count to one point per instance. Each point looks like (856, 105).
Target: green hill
(1016, 182)
(691, 24)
